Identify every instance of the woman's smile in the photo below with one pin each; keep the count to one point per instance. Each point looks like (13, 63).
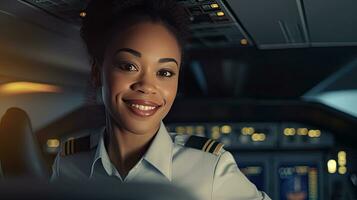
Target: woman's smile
(142, 108)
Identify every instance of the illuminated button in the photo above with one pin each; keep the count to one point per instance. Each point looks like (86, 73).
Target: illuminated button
(53, 143)
(314, 133)
(215, 135)
(302, 131)
(258, 137)
(220, 14)
(82, 14)
(342, 170)
(226, 129)
(200, 130)
(180, 129)
(341, 158)
(244, 42)
(189, 130)
(289, 131)
(214, 5)
(331, 166)
(247, 130)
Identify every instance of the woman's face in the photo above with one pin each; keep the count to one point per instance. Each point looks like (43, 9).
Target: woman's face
(140, 76)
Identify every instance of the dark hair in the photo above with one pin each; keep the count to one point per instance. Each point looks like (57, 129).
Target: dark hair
(103, 18)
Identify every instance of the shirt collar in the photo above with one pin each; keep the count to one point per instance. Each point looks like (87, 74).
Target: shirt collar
(158, 155)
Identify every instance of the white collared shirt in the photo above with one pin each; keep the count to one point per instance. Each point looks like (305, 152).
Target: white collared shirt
(206, 175)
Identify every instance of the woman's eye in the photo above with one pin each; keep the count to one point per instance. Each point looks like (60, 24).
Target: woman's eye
(127, 67)
(165, 73)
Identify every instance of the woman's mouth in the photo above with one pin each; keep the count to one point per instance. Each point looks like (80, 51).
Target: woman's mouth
(142, 108)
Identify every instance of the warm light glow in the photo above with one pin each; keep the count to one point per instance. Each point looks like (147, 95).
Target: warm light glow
(247, 130)
(226, 129)
(180, 129)
(82, 14)
(220, 14)
(314, 133)
(302, 131)
(28, 87)
(214, 5)
(189, 130)
(331, 166)
(342, 170)
(215, 135)
(289, 131)
(53, 143)
(341, 158)
(243, 42)
(200, 130)
(258, 137)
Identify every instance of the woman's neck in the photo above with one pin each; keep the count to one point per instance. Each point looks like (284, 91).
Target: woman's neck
(125, 148)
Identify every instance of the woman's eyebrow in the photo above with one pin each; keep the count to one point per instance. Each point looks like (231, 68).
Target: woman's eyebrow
(131, 51)
(164, 60)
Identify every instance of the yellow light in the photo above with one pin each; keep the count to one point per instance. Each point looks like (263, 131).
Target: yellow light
(180, 129)
(200, 130)
(331, 166)
(341, 158)
(220, 14)
(247, 130)
(189, 130)
(301, 169)
(258, 137)
(314, 133)
(215, 135)
(214, 5)
(342, 170)
(226, 129)
(53, 143)
(82, 14)
(28, 87)
(289, 131)
(302, 131)
(243, 42)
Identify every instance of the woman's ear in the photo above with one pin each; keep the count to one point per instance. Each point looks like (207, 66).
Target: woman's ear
(96, 74)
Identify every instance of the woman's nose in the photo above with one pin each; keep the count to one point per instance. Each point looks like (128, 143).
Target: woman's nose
(145, 84)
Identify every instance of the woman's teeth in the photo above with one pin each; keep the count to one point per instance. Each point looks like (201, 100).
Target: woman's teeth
(142, 107)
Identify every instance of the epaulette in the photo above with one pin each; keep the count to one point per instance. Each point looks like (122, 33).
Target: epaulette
(201, 143)
(72, 146)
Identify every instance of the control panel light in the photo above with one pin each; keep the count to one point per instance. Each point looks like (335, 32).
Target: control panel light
(200, 130)
(226, 129)
(82, 14)
(244, 42)
(247, 130)
(342, 170)
(53, 143)
(302, 131)
(214, 5)
(180, 130)
(331, 166)
(258, 137)
(341, 158)
(189, 130)
(314, 133)
(28, 87)
(289, 131)
(220, 14)
(215, 135)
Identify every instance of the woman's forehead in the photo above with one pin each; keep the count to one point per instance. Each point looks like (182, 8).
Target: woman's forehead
(148, 38)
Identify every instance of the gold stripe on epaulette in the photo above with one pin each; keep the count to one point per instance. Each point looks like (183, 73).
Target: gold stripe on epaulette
(218, 148)
(209, 147)
(206, 144)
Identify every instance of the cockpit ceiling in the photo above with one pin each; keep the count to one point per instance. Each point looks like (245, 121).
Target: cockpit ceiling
(243, 23)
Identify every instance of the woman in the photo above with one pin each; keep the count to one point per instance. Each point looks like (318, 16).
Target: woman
(136, 49)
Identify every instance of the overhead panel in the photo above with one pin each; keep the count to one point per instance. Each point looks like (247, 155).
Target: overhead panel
(213, 24)
(274, 23)
(332, 22)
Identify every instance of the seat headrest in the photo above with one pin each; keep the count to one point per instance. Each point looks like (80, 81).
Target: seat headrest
(20, 154)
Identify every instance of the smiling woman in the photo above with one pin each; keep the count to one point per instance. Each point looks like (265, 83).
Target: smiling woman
(136, 50)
